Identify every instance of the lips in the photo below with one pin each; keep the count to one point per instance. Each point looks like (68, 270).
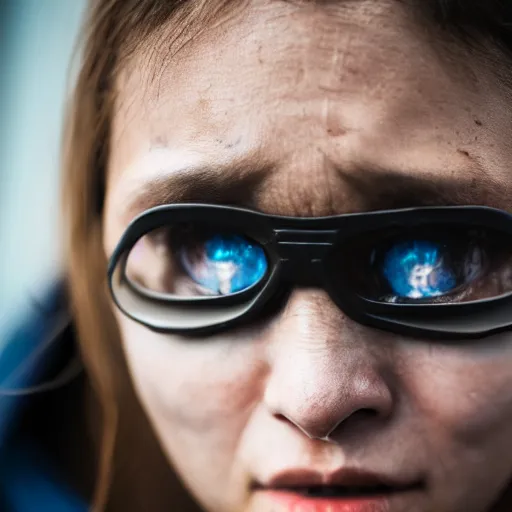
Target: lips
(345, 490)
(345, 477)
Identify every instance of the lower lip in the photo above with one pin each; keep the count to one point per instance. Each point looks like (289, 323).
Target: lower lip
(293, 502)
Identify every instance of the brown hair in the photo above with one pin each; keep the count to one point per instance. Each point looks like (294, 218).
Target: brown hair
(113, 31)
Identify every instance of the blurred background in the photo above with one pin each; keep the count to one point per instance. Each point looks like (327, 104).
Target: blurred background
(37, 40)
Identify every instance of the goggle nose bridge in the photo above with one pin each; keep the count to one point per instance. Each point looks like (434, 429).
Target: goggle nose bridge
(302, 253)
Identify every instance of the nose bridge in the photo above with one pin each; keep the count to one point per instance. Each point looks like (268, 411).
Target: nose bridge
(321, 372)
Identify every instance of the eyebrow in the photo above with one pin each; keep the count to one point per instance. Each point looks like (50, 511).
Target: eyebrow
(379, 189)
(388, 189)
(234, 184)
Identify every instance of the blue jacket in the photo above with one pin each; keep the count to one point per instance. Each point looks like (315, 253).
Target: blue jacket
(33, 359)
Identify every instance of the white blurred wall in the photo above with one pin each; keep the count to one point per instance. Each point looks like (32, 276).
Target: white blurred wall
(37, 39)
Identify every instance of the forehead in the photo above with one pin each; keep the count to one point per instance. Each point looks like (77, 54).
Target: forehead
(305, 91)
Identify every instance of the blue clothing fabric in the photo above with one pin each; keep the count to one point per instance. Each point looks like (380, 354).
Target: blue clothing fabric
(28, 480)
(24, 357)
(31, 484)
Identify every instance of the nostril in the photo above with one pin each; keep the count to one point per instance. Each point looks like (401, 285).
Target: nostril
(359, 422)
(359, 418)
(281, 417)
(366, 413)
(354, 423)
(357, 404)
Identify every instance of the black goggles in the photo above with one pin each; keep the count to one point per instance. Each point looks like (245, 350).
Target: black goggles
(436, 272)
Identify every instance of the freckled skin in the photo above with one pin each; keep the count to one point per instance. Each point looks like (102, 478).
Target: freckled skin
(311, 90)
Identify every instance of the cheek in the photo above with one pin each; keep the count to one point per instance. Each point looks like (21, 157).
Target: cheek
(196, 390)
(463, 390)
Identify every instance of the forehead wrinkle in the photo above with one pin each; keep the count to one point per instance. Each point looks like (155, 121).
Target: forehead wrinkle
(338, 61)
(329, 31)
(283, 55)
(363, 14)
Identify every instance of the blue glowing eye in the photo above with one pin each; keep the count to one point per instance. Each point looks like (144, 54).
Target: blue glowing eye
(226, 264)
(418, 270)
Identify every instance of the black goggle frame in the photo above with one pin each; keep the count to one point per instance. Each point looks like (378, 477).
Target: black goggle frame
(298, 251)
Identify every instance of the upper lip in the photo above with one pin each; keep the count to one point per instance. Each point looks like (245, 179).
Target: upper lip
(346, 477)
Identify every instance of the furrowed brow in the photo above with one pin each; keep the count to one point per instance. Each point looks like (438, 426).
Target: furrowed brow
(377, 189)
(231, 184)
(386, 189)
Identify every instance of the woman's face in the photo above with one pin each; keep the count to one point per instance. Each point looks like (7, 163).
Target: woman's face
(311, 110)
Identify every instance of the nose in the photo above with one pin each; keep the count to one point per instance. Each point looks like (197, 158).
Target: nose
(326, 373)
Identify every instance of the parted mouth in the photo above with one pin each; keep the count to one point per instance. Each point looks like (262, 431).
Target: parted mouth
(345, 482)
